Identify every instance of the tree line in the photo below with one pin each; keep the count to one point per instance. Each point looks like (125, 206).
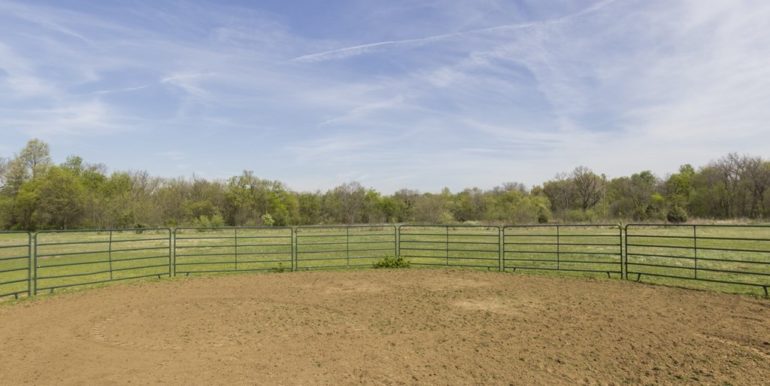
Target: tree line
(37, 194)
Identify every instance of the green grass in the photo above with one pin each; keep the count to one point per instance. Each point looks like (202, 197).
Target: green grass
(584, 250)
(233, 249)
(344, 247)
(14, 264)
(67, 259)
(739, 256)
(451, 246)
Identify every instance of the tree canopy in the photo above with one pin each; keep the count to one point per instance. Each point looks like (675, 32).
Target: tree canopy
(35, 194)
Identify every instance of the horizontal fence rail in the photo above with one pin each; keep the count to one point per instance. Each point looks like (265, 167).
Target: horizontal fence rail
(450, 245)
(334, 247)
(75, 258)
(735, 258)
(726, 254)
(204, 250)
(15, 264)
(570, 248)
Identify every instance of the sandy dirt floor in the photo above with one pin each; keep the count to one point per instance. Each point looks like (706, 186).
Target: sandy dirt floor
(386, 327)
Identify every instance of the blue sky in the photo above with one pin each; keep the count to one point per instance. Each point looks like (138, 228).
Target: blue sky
(419, 94)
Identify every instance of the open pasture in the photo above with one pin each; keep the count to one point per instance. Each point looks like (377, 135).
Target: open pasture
(15, 267)
(732, 258)
(721, 257)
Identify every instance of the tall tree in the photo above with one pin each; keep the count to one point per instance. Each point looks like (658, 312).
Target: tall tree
(60, 199)
(589, 187)
(35, 157)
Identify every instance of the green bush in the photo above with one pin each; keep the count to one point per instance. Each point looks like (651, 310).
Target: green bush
(267, 220)
(392, 262)
(580, 216)
(543, 217)
(676, 215)
(206, 222)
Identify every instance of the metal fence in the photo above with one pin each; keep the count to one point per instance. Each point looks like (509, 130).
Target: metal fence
(15, 264)
(570, 248)
(734, 256)
(333, 247)
(450, 245)
(75, 258)
(203, 250)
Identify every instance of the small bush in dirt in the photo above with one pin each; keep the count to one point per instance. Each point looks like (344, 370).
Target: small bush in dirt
(676, 215)
(392, 262)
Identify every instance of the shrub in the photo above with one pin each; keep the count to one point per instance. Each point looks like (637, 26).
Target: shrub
(543, 216)
(206, 222)
(579, 216)
(676, 215)
(267, 220)
(392, 262)
(280, 268)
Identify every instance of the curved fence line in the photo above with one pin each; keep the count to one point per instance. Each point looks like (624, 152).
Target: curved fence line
(734, 258)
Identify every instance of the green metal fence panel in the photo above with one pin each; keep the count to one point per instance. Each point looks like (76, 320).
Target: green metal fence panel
(732, 255)
(233, 249)
(15, 264)
(336, 247)
(469, 246)
(570, 248)
(81, 257)
(735, 255)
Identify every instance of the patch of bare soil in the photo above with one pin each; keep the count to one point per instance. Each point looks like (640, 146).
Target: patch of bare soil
(386, 327)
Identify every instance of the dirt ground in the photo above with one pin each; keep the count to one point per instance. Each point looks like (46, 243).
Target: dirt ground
(386, 327)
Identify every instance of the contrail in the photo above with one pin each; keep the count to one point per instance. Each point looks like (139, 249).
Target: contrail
(340, 53)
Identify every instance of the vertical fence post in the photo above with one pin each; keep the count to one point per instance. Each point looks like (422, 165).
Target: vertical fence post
(695, 248)
(109, 254)
(625, 250)
(501, 248)
(30, 263)
(397, 241)
(235, 245)
(347, 246)
(294, 249)
(558, 248)
(170, 262)
(172, 251)
(622, 255)
(447, 244)
(34, 265)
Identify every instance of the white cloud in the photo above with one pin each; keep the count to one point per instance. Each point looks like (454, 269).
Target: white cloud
(617, 86)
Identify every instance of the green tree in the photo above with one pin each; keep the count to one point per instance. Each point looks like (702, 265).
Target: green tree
(60, 199)
(36, 157)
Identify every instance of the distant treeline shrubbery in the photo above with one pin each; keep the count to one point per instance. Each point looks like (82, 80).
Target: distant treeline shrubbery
(37, 194)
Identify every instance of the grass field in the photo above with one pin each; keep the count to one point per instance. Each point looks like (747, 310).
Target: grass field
(595, 249)
(66, 259)
(727, 258)
(14, 263)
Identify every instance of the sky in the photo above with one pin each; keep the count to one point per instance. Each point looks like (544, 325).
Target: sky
(420, 94)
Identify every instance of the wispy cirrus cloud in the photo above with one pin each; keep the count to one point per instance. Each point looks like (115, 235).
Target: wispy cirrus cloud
(489, 91)
(345, 52)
